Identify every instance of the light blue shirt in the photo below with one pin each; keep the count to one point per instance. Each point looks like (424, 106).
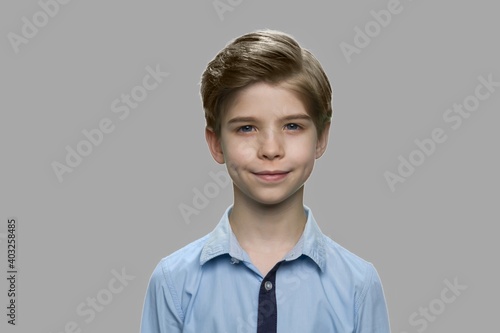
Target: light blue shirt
(211, 286)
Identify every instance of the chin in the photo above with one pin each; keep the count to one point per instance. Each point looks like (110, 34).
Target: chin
(272, 200)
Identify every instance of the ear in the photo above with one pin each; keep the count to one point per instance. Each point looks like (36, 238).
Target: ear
(322, 141)
(214, 145)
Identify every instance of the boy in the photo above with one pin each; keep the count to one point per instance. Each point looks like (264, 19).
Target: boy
(266, 267)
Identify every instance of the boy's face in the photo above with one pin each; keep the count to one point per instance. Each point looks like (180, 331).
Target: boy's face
(268, 142)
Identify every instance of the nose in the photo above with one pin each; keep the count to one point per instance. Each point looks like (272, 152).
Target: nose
(271, 146)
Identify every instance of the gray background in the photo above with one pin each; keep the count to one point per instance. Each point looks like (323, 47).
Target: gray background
(120, 207)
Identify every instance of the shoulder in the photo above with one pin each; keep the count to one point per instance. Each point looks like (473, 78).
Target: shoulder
(337, 264)
(165, 299)
(349, 269)
(341, 258)
(184, 262)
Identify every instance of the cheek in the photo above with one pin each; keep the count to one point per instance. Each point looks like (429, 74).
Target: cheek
(303, 151)
(244, 150)
(304, 158)
(241, 152)
(238, 155)
(309, 164)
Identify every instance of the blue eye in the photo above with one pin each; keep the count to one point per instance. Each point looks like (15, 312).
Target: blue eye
(292, 126)
(246, 128)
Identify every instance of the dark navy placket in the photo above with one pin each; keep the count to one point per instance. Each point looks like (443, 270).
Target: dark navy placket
(267, 320)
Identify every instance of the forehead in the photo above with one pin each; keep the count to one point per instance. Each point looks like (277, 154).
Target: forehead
(264, 100)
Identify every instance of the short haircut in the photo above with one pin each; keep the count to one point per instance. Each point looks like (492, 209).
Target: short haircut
(266, 56)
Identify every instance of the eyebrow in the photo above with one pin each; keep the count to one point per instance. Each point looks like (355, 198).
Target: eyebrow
(253, 119)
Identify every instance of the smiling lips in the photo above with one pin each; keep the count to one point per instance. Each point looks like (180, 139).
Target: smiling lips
(271, 176)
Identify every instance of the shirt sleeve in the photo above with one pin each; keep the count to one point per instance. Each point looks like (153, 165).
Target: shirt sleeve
(371, 315)
(161, 311)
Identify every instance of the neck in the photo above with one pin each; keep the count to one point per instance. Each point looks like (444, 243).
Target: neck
(267, 228)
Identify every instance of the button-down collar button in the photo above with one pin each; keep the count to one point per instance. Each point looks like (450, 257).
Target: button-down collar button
(268, 285)
(234, 261)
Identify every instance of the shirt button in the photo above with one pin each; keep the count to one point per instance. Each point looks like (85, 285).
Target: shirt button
(268, 285)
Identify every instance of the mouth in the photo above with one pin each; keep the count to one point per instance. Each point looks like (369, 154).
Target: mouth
(276, 172)
(271, 176)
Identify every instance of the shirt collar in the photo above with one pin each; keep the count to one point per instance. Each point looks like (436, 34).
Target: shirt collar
(223, 241)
